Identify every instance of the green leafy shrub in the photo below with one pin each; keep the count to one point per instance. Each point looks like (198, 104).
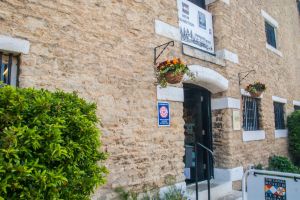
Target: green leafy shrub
(294, 136)
(282, 164)
(49, 145)
(173, 193)
(258, 166)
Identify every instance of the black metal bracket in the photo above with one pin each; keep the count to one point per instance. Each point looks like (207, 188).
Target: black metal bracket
(171, 43)
(241, 78)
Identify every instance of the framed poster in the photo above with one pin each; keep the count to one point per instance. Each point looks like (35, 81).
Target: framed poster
(236, 120)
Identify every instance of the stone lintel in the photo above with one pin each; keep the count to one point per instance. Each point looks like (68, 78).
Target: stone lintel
(207, 2)
(296, 103)
(279, 99)
(170, 94)
(14, 45)
(269, 19)
(225, 103)
(228, 55)
(245, 93)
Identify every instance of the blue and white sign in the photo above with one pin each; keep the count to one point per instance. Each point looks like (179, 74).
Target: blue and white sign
(163, 109)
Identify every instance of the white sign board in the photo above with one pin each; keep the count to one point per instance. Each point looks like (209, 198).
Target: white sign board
(195, 26)
(268, 187)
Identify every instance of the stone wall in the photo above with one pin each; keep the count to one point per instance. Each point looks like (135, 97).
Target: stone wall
(104, 50)
(243, 23)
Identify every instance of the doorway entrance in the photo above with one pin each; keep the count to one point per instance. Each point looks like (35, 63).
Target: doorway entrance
(197, 117)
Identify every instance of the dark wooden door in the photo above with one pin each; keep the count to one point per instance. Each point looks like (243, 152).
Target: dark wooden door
(197, 116)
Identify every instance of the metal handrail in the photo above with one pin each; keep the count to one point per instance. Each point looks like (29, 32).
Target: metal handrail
(208, 151)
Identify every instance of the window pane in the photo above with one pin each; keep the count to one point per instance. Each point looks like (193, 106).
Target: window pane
(270, 34)
(297, 108)
(200, 3)
(8, 69)
(250, 114)
(279, 115)
(4, 73)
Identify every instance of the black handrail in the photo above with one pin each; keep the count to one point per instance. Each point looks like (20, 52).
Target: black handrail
(208, 151)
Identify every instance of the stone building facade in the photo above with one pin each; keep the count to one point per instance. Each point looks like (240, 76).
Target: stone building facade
(104, 50)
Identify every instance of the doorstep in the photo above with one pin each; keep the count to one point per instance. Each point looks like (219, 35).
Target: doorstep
(217, 190)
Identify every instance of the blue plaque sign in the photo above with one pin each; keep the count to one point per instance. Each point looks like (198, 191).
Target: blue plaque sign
(163, 109)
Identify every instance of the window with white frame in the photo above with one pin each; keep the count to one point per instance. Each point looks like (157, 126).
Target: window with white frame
(251, 113)
(271, 30)
(8, 69)
(279, 115)
(296, 107)
(270, 34)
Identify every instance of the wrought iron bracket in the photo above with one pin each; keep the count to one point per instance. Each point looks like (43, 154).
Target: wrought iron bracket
(171, 43)
(241, 77)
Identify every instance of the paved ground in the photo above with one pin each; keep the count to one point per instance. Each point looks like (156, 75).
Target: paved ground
(234, 195)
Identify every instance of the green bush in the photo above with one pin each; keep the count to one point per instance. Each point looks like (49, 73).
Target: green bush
(49, 145)
(294, 136)
(282, 164)
(173, 193)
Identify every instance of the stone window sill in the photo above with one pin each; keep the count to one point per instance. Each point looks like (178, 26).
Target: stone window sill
(281, 133)
(276, 51)
(253, 135)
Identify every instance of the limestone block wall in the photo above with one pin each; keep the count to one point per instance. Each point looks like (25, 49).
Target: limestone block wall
(104, 50)
(243, 27)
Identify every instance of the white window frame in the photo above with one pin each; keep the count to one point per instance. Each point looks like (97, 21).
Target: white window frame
(252, 135)
(280, 133)
(270, 20)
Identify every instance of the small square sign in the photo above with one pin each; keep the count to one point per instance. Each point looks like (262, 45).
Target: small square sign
(163, 109)
(275, 189)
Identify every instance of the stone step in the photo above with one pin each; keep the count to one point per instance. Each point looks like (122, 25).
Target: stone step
(218, 190)
(234, 195)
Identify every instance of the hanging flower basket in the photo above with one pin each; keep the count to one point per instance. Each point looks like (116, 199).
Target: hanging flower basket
(256, 94)
(256, 89)
(171, 71)
(173, 78)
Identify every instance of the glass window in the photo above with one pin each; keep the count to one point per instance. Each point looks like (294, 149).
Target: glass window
(200, 3)
(297, 108)
(270, 34)
(8, 69)
(279, 115)
(250, 113)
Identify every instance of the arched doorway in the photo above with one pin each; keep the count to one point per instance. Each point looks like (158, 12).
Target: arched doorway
(197, 116)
